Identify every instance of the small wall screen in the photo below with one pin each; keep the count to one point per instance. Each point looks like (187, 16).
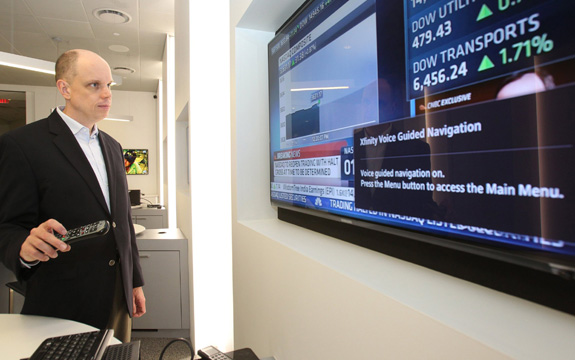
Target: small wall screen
(136, 161)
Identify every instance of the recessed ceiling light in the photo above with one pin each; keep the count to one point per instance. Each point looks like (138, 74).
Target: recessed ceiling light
(112, 16)
(119, 48)
(122, 70)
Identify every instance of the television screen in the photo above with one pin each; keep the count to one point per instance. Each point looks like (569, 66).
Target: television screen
(451, 119)
(136, 161)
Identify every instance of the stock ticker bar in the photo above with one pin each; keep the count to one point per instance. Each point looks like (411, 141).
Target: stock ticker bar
(455, 43)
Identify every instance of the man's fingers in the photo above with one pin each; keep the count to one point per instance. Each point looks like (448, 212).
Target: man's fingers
(30, 253)
(41, 244)
(54, 225)
(139, 302)
(35, 249)
(50, 227)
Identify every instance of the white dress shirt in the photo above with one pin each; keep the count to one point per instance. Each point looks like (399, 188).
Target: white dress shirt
(90, 144)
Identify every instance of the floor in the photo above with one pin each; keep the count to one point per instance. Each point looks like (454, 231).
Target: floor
(151, 349)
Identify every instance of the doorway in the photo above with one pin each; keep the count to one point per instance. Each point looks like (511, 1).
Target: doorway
(12, 110)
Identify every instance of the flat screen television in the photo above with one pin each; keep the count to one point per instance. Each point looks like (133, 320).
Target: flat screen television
(441, 132)
(136, 161)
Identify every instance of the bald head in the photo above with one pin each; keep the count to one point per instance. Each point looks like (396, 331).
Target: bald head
(66, 68)
(84, 79)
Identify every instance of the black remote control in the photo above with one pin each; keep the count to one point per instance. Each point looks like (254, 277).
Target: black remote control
(211, 353)
(98, 228)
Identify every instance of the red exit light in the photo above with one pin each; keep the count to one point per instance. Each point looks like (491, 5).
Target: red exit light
(4, 101)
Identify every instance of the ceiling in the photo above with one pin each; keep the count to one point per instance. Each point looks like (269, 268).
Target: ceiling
(44, 29)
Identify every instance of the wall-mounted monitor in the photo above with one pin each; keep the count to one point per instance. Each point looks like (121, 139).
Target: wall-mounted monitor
(136, 161)
(441, 132)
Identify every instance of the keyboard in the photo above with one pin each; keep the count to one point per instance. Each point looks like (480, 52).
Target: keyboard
(86, 346)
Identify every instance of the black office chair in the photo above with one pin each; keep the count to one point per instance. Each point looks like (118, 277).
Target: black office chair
(14, 287)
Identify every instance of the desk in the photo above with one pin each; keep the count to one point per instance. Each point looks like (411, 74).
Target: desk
(20, 335)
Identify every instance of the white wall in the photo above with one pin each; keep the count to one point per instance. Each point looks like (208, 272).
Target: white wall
(182, 90)
(139, 133)
(203, 150)
(301, 295)
(182, 97)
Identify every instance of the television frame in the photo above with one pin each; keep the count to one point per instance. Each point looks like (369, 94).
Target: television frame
(526, 274)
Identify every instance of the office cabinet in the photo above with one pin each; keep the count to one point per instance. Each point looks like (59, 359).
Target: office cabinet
(150, 218)
(164, 261)
(149, 221)
(163, 292)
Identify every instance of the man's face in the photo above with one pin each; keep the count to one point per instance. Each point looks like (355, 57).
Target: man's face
(88, 95)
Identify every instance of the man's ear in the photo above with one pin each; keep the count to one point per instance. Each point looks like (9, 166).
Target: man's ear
(64, 88)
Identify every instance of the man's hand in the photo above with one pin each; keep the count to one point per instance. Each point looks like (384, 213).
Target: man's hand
(41, 244)
(139, 305)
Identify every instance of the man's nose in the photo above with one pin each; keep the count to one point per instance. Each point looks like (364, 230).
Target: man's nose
(107, 92)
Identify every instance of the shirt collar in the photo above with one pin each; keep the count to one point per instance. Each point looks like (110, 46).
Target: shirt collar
(75, 126)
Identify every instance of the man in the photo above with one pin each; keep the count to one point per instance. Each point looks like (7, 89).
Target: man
(60, 173)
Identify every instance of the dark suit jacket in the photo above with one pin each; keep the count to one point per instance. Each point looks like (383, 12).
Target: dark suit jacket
(44, 174)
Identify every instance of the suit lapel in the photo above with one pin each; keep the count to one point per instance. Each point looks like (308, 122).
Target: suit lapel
(108, 150)
(67, 143)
